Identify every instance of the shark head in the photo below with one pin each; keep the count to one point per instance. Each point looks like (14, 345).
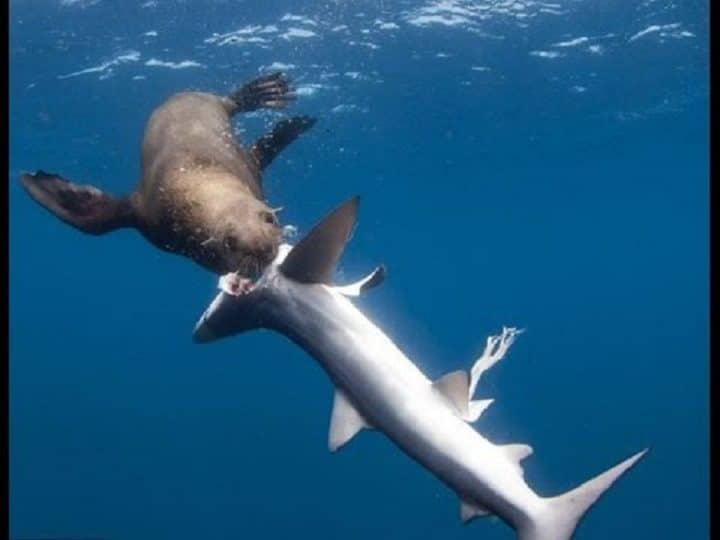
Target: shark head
(239, 305)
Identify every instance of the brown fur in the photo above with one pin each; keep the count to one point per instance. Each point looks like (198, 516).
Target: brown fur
(201, 193)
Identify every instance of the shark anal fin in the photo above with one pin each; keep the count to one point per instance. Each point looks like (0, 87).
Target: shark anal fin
(375, 278)
(470, 511)
(454, 387)
(345, 422)
(313, 259)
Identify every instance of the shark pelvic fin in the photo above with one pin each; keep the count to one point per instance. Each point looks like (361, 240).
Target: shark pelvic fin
(454, 387)
(375, 278)
(470, 511)
(313, 260)
(345, 422)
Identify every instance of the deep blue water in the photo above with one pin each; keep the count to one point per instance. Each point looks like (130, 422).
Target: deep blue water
(560, 186)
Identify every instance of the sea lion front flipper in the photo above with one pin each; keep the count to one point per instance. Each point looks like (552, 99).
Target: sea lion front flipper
(84, 207)
(271, 91)
(271, 144)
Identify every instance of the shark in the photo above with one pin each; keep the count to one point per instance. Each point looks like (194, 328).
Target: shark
(377, 387)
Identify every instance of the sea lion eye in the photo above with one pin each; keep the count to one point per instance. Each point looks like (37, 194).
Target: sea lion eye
(269, 218)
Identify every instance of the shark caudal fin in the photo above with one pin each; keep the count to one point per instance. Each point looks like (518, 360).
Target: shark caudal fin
(563, 513)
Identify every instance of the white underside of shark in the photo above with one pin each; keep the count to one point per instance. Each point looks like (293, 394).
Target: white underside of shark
(377, 387)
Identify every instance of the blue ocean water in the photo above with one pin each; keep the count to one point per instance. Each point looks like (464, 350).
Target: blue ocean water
(528, 163)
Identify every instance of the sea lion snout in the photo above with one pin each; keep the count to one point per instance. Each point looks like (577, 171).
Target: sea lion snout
(248, 262)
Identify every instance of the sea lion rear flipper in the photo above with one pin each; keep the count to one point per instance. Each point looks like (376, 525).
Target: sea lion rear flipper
(271, 144)
(271, 91)
(84, 207)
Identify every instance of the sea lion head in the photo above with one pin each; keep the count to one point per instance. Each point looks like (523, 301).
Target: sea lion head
(244, 237)
(248, 238)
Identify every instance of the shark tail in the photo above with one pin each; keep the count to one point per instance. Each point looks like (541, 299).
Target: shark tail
(562, 514)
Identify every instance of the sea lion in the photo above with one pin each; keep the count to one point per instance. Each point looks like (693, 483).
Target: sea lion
(200, 194)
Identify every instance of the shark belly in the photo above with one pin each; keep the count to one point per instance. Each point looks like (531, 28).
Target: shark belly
(396, 398)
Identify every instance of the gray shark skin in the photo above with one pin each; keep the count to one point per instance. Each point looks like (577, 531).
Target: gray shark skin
(379, 388)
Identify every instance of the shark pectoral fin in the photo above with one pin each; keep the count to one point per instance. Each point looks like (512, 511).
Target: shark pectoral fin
(313, 259)
(375, 278)
(345, 422)
(454, 387)
(470, 511)
(476, 408)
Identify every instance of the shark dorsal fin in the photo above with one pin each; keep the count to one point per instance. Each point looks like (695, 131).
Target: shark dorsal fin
(313, 259)
(454, 387)
(517, 452)
(476, 407)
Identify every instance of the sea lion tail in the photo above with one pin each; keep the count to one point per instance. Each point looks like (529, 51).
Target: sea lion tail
(84, 207)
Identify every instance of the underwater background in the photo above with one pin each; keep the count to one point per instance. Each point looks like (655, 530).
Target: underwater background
(523, 163)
